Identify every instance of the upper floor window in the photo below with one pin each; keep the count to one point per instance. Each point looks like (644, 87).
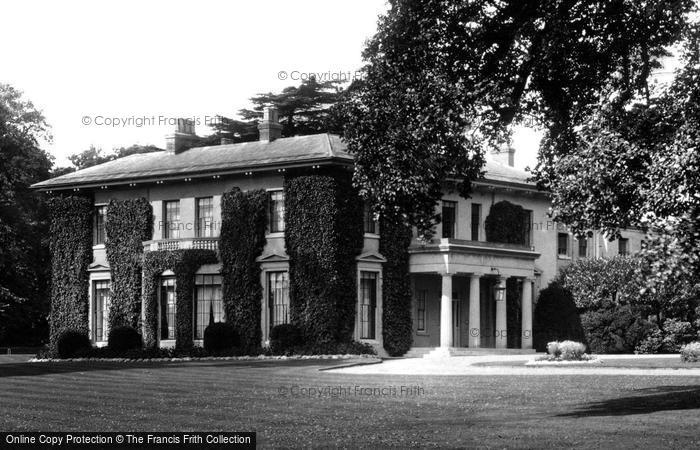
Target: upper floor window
(98, 232)
(171, 222)
(276, 212)
(205, 217)
(623, 246)
(582, 247)
(476, 220)
(563, 244)
(527, 228)
(449, 219)
(370, 225)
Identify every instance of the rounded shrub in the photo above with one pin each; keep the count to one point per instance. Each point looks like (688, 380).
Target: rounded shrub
(124, 338)
(690, 352)
(284, 337)
(220, 337)
(72, 342)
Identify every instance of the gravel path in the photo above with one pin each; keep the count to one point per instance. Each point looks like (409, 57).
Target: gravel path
(465, 365)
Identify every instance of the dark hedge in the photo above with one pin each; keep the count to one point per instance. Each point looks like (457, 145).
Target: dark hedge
(184, 264)
(397, 325)
(243, 221)
(128, 224)
(71, 255)
(556, 318)
(506, 223)
(323, 236)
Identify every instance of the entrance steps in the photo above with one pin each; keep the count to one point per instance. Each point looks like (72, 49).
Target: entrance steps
(439, 352)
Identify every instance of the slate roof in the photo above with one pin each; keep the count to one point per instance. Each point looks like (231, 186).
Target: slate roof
(232, 158)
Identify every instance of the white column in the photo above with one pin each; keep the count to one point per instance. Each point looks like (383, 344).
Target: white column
(474, 311)
(501, 322)
(446, 311)
(527, 314)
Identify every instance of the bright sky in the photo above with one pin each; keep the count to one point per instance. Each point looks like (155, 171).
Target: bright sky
(84, 62)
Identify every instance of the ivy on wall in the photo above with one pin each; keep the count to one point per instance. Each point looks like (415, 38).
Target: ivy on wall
(506, 223)
(184, 264)
(397, 324)
(243, 222)
(71, 254)
(323, 236)
(128, 224)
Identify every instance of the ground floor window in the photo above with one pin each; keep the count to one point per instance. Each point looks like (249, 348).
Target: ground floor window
(420, 313)
(278, 297)
(101, 294)
(368, 305)
(167, 308)
(208, 303)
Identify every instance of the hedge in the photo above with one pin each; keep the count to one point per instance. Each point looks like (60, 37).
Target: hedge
(184, 264)
(323, 236)
(243, 221)
(71, 255)
(397, 323)
(128, 224)
(506, 223)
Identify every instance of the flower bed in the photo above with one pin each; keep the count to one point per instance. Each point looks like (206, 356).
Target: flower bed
(565, 352)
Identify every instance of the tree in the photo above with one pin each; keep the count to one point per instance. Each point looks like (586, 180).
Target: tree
(23, 219)
(445, 80)
(94, 156)
(303, 110)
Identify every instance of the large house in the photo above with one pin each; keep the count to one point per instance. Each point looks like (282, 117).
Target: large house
(460, 282)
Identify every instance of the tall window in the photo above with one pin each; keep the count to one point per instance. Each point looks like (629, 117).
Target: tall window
(476, 220)
(101, 295)
(449, 219)
(98, 232)
(171, 224)
(527, 227)
(563, 244)
(370, 224)
(623, 246)
(167, 308)
(582, 247)
(420, 306)
(276, 213)
(205, 217)
(368, 304)
(278, 297)
(208, 304)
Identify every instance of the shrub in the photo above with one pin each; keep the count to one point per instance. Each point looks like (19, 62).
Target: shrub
(284, 337)
(124, 338)
(556, 317)
(71, 342)
(652, 343)
(676, 333)
(691, 352)
(336, 348)
(220, 337)
(618, 329)
(566, 351)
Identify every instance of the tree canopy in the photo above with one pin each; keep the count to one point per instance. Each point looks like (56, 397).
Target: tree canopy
(446, 79)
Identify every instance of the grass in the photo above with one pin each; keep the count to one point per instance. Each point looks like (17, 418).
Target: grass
(646, 363)
(488, 411)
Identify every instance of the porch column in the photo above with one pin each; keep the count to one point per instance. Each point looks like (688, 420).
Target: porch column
(527, 314)
(501, 322)
(474, 311)
(446, 311)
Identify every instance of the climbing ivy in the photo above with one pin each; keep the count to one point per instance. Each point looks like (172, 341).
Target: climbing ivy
(184, 264)
(128, 224)
(506, 223)
(243, 221)
(71, 254)
(323, 236)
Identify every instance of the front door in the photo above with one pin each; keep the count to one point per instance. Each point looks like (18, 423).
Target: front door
(456, 319)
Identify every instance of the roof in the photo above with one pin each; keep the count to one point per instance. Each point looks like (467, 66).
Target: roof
(232, 158)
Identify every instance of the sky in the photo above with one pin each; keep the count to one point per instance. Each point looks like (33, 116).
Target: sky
(113, 74)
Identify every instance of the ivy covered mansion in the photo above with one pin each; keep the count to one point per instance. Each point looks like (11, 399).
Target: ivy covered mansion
(272, 232)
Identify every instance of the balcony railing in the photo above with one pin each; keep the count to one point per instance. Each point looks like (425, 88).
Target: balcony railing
(181, 244)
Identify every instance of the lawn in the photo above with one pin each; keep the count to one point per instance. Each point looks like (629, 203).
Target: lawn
(646, 363)
(489, 411)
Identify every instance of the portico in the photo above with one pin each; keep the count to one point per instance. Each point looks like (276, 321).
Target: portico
(472, 294)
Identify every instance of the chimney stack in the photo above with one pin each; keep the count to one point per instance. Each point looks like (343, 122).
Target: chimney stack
(270, 128)
(183, 138)
(505, 155)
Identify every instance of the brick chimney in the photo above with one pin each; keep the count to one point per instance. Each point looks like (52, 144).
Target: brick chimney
(505, 155)
(183, 138)
(270, 128)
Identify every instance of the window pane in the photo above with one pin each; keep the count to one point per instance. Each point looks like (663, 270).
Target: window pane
(449, 219)
(278, 297)
(101, 309)
(422, 294)
(205, 217)
(582, 247)
(476, 219)
(98, 233)
(171, 213)
(622, 249)
(563, 244)
(167, 308)
(368, 304)
(208, 303)
(370, 224)
(276, 212)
